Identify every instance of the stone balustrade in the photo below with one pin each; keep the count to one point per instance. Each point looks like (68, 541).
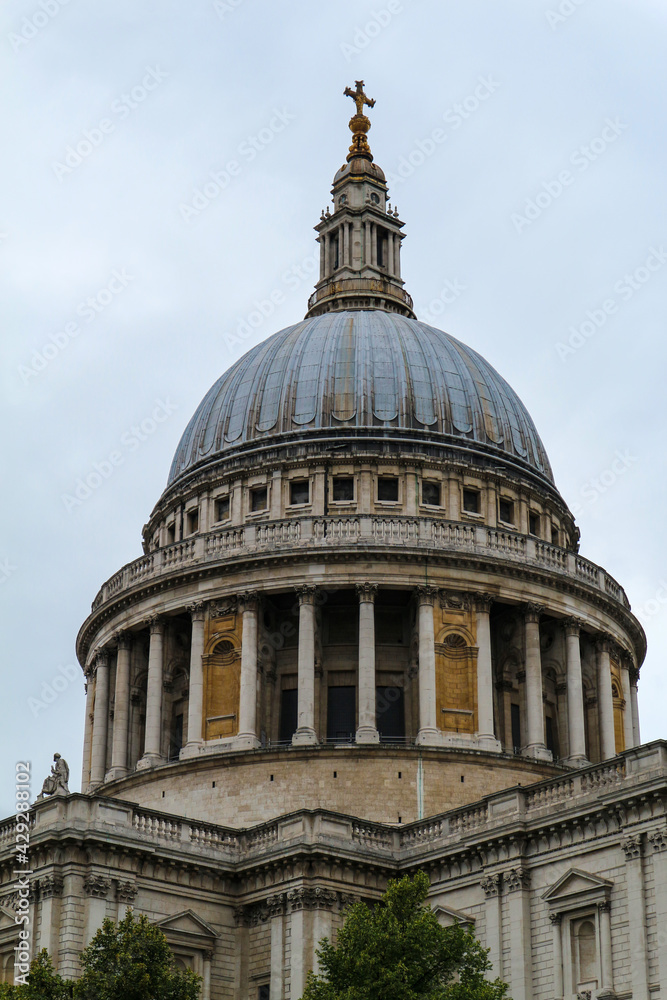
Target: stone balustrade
(371, 531)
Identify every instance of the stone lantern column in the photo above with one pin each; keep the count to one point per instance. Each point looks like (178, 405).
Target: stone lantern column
(153, 742)
(305, 733)
(367, 729)
(575, 694)
(535, 746)
(429, 732)
(247, 734)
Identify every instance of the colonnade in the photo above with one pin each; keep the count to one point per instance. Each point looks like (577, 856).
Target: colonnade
(429, 733)
(368, 232)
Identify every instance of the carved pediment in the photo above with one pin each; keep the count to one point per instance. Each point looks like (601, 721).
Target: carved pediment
(188, 927)
(447, 916)
(577, 888)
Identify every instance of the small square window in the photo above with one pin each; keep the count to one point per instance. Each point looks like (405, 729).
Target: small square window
(506, 511)
(387, 488)
(193, 520)
(534, 524)
(264, 992)
(222, 508)
(171, 533)
(554, 536)
(471, 501)
(343, 488)
(258, 498)
(431, 494)
(299, 491)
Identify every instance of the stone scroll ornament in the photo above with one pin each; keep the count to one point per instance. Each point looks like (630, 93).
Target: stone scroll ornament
(57, 781)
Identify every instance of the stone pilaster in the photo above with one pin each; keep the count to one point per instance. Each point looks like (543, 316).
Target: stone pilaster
(517, 881)
(121, 715)
(491, 886)
(486, 736)
(305, 733)
(535, 745)
(247, 735)
(100, 721)
(429, 732)
(196, 682)
(367, 729)
(633, 850)
(153, 742)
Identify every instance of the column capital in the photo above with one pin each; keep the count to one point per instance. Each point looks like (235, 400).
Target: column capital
(634, 675)
(532, 613)
(123, 639)
(572, 626)
(196, 610)
(306, 593)
(658, 840)
(482, 602)
(632, 847)
(517, 878)
(248, 601)
(603, 642)
(427, 595)
(96, 885)
(156, 624)
(366, 592)
(491, 885)
(604, 906)
(555, 918)
(102, 658)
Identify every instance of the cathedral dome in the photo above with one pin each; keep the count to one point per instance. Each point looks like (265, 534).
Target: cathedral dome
(365, 373)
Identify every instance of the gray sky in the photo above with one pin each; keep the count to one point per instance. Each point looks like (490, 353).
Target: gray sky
(116, 113)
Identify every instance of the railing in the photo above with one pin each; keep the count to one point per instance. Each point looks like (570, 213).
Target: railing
(393, 530)
(156, 825)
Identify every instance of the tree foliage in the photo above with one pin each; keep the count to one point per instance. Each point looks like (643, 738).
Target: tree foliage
(43, 983)
(397, 950)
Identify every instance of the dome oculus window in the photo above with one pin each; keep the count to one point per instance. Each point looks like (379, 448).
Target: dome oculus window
(387, 489)
(299, 492)
(258, 499)
(431, 494)
(471, 501)
(375, 198)
(506, 510)
(343, 488)
(222, 509)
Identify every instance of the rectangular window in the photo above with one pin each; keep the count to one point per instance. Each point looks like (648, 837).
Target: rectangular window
(387, 488)
(193, 521)
(471, 501)
(222, 509)
(176, 741)
(381, 243)
(288, 715)
(264, 992)
(258, 498)
(171, 533)
(534, 523)
(506, 511)
(516, 728)
(390, 714)
(343, 488)
(554, 536)
(341, 714)
(549, 734)
(431, 493)
(299, 492)
(335, 255)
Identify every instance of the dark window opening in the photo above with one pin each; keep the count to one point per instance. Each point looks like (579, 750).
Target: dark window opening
(343, 488)
(534, 524)
(289, 719)
(171, 534)
(264, 992)
(382, 248)
(299, 491)
(554, 536)
(471, 501)
(390, 714)
(193, 521)
(258, 498)
(506, 511)
(516, 728)
(549, 733)
(341, 714)
(387, 488)
(222, 508)
(176, 742)
(335, 257)
(431, 494)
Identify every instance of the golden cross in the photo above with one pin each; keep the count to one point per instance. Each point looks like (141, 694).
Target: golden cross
(359, 97)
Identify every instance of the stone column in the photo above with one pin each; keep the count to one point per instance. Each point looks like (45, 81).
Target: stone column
(367, 729)
(323, 250)
(555, 919)
(247, 734)
(88, 730)
(390, 254)
(486, 736)
(96, 888)
(206, 976)
(605, 699)
(575, 694)
(632, 848)
(658, 842)
(374, 244)
(121, 711)
(153, 742)
(98, 764)
(305, 733)
(518, 905)
(429, 731)
(196, 682)
(535, 746)
(494, 937)
(634, 703)
(606, 967)
(397, 254)
(627, 708)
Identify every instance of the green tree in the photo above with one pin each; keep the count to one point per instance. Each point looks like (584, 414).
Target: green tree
(397, 950)
(43, 983)
(131, 961)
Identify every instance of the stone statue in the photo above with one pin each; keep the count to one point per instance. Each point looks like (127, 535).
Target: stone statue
(57, 780)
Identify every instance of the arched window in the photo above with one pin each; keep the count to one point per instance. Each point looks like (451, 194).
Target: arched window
(584, 952)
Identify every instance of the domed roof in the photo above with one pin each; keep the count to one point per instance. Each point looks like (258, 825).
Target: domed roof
(352, 373)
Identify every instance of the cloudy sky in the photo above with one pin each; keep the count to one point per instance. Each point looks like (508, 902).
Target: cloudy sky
(163, 165)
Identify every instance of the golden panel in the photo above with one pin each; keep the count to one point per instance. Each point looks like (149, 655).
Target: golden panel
(456, 672)
(222, 676)
(619, 705)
